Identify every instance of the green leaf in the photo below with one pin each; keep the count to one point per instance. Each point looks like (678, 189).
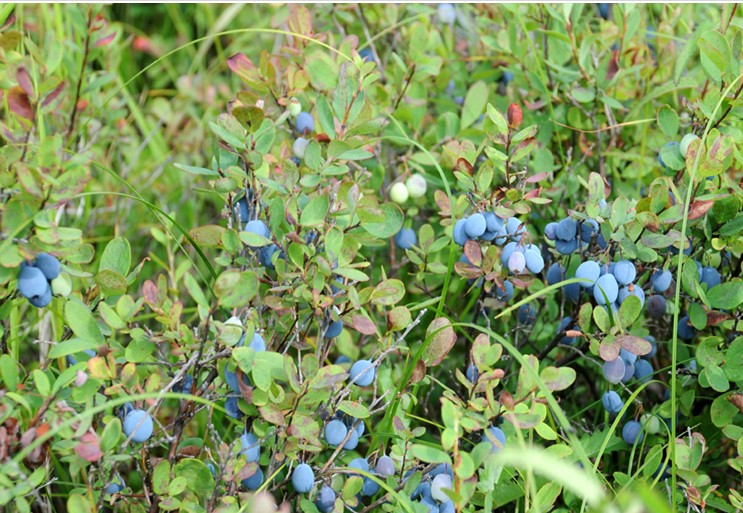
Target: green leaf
(82, 323)
(668, 121)
(235, 288)
(498, 120)
(208, 236)
(388, 293)
(722, 412)
(355, 409)
(71, 346)
(697, 316)
(80, 504)
(714, 55)
(325, 115)
(672, 158)
(716, 378)
(726, 296)
(313, 214)
(556, 379)
(111, 282)
(199, 478)
(116, 256)
(382, 222)
(429, 454)
(630, 310)
(474, 103)
(110, 435)
(196, 170)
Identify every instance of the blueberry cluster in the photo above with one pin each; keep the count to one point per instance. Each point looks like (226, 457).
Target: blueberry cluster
(489, 227)
(626, 366)
(35, 279)
(568, 234)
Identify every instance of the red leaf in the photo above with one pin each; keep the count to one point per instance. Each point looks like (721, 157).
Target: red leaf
(150, 293)
(464, 165)
(240, 64)
(88, 448)
(613, 68)
(19, 104)
(24, 80)
(105, 40)
(699, 208)
(53, 95)
(363, 325)
(537, 177)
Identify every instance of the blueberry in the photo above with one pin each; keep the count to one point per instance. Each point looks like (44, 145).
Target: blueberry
(566, 230)
(643, 370)
(612, 402)
(367, 55)
(587, 229)
(447, 14)
(405, 238)
(517, 262)
(303, 478)
(550, 231)
(335, 329)
(48, 265)
(255, 481)
(496, 437)
(471, 373)
(566, 247)
(335, 432)
(526, 314)
(369, 488)
(534, 261)
(265, 253)
(352, 442)
(711, 277)
(614, 370)
(607, 286)
(656, 306)
(507, 251)
(475, 226)
(459, 234)
(505, 292)
(250, 448)
(362, 373)
(138, 424)
(325, 499)
(385, 466)
(631, 290)
(42, 300)
(232, 408)
(685, 330)
(493, 222)
(304, 122)
(624, 272)
(439, 484)
(588, 270)
(32, 282)
(661, 280)
(632, 432)
(555, 274)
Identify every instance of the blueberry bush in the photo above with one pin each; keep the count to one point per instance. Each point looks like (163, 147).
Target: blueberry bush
(373, 258)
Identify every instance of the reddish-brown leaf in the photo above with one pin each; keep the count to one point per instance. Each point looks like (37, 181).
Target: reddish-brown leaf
(419, 372)
(699, 208)
(88, 448)
(24, 80)
(150, 293)
(19, 103)
(465, 166)
(363, 324)
(105, 40)
(240, 64)
(53, 95)
(613, 67)
(537, 177)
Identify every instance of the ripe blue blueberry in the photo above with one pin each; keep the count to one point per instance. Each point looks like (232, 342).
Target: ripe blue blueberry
(265, 254)
(653, 347)
(369, 488)
(624, 272)
(258, 227)
(32, 282)
(493, 222)
(517, 262)
(606, 289)
(661, 280)
(325, 499)
(447, 507)
(242, 209)
(258, 344)
(362, 373)
(335, 432)
(550, 231)
(439, 484)
(250, 448)
(42, 300)
(588, 270)
(255, 481)
(566, 230)
(614, 370)
(534, 261)
(405, 238)
(335, 329)
(566, 247)
(526, 314)
(685, 330)
(555, 274)
(475, 225)
(138, 424)
(496, 437)
(514, 227)
(565, 325)
(631, 290)
(711, 277)
(508, 250)
(48, 265)
(303, 478)
(643, 370)
(656, 306)
(385, 466)
(504, 293)
(604, 10)
(304, 122)
(447, 14)
(232, 408)
(459, 235)
(471, 373)
(431, 506)
(366, 54)
(352, 442)
(612, 402)
(587, 229)
(116, 486)
(632, 432)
